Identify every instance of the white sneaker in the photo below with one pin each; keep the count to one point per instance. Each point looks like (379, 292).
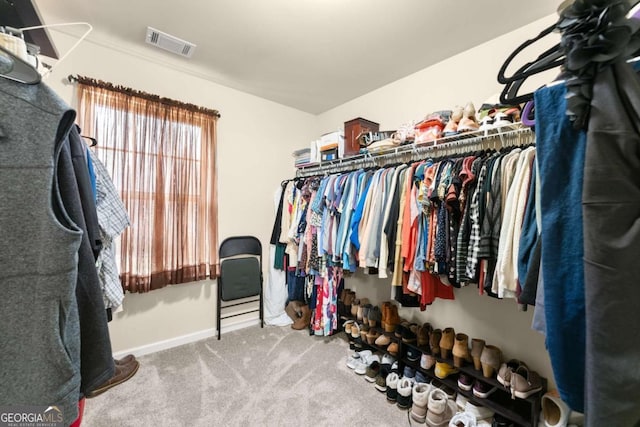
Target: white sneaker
(388, 359)
(353, 360)
(364, 362)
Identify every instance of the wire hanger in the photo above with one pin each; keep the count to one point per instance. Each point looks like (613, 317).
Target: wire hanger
(75, 45)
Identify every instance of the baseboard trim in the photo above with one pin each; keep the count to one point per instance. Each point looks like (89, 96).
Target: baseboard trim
(184, 339)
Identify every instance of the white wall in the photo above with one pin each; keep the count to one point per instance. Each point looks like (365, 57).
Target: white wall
(469, 76)
(255, 140)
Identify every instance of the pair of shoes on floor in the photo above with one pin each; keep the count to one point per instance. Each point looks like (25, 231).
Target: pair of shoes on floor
(516, 375)
(125, 369)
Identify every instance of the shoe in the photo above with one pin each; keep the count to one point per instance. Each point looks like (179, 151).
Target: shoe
(408, 372)
(355, 330)
(503, 120)
(392, 386)
(364, 363)
(421, 378)
(357, 357)
(413, 354)
(122, 374)
(399, 330)
(372, 371)
(381, 379)
(375, 316)
(446, 342)
(477, 345)
(465, 382)
(125, 360)
(384, 312)
(304, 321)
(364, 330)
(387, 359)
(347, 327)
(461, 402)
(393, 349)
(451, 393)
(479, 412)
(409, 336)
(555, 412)
(354, 307)
(452, 125)
(506, 369)
(490, 360)
(291, 311)
(383, 340)
(405, 387)
(468, 121)
(393, 319)
(482, 389)
(360, 310)
(420, 400)
(443, 370)
(348, 300)
(524, 383)
(461, 350)
(434, 341)
(423, 335)
(440, 409)
(427, 361)
(372, 336)
(365, 313)
(463, 419)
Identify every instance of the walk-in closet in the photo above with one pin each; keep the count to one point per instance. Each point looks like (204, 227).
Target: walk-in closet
(319, 213)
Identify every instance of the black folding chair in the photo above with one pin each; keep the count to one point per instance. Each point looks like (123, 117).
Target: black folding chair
(240, 276)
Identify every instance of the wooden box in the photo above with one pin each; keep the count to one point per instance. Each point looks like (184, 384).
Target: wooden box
(353, 129)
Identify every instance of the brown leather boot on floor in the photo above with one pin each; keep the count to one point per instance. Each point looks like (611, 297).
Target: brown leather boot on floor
(304, 320)
(292, 310)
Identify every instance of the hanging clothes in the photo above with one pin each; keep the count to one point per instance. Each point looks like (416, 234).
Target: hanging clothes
(39, 258)
(611, 207)
(561, 153)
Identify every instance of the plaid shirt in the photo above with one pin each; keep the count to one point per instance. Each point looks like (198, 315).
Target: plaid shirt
(474, 240)
(113, 219)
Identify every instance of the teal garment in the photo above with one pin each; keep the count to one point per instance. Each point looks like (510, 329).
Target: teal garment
(561, 154)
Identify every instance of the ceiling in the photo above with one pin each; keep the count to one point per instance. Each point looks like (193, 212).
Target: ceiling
(312, 55)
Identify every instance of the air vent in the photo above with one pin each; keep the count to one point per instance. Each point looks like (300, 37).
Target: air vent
(168, 42)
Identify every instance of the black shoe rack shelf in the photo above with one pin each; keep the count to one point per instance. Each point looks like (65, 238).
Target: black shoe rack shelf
(523, 412)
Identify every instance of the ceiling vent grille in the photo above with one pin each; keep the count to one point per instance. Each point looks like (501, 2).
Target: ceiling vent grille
(170, 43)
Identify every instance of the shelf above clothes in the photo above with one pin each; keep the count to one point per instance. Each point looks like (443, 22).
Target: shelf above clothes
(516, 135)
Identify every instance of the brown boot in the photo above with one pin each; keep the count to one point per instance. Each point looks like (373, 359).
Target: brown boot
(392, 318)
(304, 320)
(434, 341)
(446, 342)
(385, 313)
(461, 350)
(477, 345)
(291, 311)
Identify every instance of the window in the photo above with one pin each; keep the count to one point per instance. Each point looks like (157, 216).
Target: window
(161, 157)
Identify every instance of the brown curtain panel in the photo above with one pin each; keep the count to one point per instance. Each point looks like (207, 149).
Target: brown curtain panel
(162, 158)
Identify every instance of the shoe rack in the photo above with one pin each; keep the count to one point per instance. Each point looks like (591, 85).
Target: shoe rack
(523, 412)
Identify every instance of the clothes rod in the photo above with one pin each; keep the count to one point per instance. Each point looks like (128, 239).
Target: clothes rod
(411, 152)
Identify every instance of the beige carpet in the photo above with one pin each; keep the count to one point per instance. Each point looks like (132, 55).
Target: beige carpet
(252, 377)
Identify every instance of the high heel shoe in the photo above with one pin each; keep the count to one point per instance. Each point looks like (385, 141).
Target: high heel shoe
(490, 359)
(461, 350)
